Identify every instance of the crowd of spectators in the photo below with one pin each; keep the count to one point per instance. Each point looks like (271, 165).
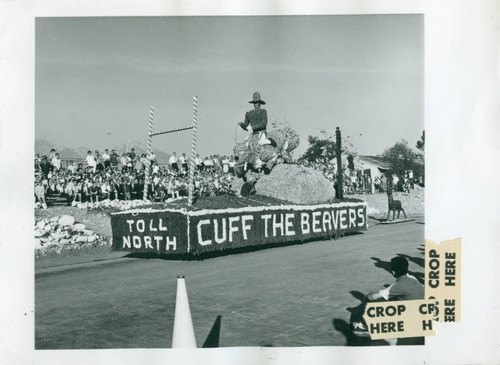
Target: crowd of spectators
(355, 182)
(121, 176)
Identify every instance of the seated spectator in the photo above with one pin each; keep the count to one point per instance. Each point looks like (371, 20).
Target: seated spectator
(40, 194)
(72, 167)
(406, 287)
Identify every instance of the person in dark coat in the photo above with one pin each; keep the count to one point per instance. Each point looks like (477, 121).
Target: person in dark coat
(257, 119)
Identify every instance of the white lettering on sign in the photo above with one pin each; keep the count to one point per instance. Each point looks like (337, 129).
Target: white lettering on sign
(278, 225)
(352, 218)
(171, 242)
(304, 223)
(216, 231)
(327, 220)
(246, 227)
(343, 219)
(157, 240)
(162, 228)
(200, 238)
(289, 231)
(335, 219)
(232, 228)
(140, 225)
(126, 242)
(147, 242)
(316, 222)
(361, 216)
(266, 218)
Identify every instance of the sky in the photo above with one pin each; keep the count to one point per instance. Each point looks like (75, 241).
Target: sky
(96, 78)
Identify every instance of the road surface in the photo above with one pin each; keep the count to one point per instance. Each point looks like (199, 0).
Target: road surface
(288, 296)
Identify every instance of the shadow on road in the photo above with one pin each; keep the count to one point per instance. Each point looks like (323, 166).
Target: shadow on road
(416, 260)
(213, 337)
(386, 265)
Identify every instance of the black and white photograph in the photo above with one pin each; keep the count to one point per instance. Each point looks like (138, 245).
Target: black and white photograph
(276, 162)
(248, 184)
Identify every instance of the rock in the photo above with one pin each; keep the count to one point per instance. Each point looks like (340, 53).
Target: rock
(40, 224)
(297, 184)
(64, 241)
(56, 236)
(38, 244)
(87, 232)
(66, 220)
(47, 228)
(286, 140)
(81, 239)
(54, 219)
(39, 232)
(91, 239)
(78, 227)
(82, 205)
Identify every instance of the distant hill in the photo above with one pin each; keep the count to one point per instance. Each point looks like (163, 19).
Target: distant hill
(43, 147)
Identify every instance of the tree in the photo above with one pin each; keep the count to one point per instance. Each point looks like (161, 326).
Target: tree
(402, 158)
(320, 148)
(421, 142)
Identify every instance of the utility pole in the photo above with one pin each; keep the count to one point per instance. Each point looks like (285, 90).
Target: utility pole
(340, 177)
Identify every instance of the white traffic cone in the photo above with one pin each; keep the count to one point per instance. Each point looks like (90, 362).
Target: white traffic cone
(183, 325)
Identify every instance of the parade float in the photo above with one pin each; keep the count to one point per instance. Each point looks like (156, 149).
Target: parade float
(274, 203)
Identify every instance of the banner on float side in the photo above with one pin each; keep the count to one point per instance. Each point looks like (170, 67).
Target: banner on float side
(150, 231)
(196, 232)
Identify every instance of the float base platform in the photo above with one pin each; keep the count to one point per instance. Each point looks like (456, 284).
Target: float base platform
(219, 224)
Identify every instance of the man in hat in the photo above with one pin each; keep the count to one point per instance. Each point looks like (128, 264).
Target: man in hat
(257, 119)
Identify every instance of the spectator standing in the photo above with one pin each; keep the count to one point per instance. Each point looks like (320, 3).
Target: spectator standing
(106, 158)
(52, 154)
(208, 163)
(99, 161)
(113, 158)
(45, 167)
(232, 164)
(173, 160)
(90, 161)
(225, 164)
(131, 154)
(198, 162)
(183, 161)
(56, 162)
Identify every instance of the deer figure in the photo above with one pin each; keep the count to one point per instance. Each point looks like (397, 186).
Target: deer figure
(394, 205)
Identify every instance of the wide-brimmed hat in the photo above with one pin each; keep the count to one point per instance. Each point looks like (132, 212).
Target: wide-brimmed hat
(256, 99)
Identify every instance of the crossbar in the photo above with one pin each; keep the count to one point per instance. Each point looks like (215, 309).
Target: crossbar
(171, 131)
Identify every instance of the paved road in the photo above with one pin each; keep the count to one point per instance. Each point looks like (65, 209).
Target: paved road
(286, 296)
